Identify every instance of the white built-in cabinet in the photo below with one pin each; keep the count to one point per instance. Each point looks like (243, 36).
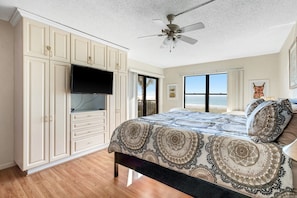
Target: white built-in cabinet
(36, 112)
(117, 62)
(46, 111)
(59, 110)
(45, 128)
(88, 53)
(44, 41)
(88, 130)
(42, 94)
(120, 93)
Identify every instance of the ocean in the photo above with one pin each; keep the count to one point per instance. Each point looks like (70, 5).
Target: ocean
(218, 100)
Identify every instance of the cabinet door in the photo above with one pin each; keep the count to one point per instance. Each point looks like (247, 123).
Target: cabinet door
(59, 45)
(80, 50)
(59, 110)
(112, 59)
(36, 39)
(111, 105)
(122, 67)
(98, 55)
(120, 98)
(36, 111)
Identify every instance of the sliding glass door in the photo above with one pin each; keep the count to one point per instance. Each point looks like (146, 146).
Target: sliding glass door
(147, 94)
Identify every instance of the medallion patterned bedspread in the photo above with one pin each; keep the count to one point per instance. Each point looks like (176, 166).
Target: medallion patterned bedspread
(213, 147)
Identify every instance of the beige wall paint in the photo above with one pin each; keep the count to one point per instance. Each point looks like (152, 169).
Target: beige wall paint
(285, 91)
(152, 71)
(255, 68)
(6, 95)
(145, 68)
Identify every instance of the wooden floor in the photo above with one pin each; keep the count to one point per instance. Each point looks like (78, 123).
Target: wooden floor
(89, 176)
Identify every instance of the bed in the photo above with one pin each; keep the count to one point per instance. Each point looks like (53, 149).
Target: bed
(220, 155)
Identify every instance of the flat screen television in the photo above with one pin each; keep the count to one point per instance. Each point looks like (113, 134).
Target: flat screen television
(90, 80)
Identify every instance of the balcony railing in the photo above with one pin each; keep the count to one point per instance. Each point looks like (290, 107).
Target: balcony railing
(150, 107)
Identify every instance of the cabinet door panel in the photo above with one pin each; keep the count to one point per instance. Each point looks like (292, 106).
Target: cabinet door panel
(112, 59)
(98, 55)
(36, 111)
(122, 61)
(80, 50)
(123, 96)
(120, 105)
(120, 81)
(36, 39)
(59, 111)
(60, 45)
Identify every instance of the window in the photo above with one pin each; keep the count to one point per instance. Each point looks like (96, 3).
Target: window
(147, 95)
(206, 93)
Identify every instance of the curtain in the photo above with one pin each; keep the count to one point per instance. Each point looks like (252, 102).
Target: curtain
(132, 95)
(235, 90)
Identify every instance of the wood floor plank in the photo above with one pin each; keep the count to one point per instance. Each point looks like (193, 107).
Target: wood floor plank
(90, 176)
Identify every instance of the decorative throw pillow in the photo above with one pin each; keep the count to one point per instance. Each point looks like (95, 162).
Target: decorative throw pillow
(252, 106)
(290, 132)
(294, 107)
(268, 120)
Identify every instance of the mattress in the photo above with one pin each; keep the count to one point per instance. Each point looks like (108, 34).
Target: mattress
(213, 147)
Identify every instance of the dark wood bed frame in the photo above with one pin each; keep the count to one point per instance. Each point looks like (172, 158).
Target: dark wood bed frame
(187, 184)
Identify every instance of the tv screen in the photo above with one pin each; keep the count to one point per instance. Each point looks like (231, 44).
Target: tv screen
(90, 80)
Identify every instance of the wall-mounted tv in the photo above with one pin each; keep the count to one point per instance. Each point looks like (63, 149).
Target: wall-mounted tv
(90, 80)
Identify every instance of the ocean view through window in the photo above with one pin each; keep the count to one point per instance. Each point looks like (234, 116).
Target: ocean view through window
(206, 93)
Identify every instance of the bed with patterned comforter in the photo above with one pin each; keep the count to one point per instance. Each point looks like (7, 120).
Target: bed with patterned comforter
(213, 147)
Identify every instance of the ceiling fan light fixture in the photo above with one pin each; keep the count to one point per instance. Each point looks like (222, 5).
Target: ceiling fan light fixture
(167, 41)
(173, 32)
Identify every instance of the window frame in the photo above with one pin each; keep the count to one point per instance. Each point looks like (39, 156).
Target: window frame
(144, 112)
(207, 93)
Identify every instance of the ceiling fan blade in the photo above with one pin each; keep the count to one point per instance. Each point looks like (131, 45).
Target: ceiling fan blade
(192, 27)
(187, 39)
(193, 8)
(153, 35)
(160, 23)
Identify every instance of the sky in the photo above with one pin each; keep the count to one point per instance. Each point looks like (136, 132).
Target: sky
(150, 91)
(196, 84)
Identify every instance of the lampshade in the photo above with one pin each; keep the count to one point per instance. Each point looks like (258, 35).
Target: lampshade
(291, 150)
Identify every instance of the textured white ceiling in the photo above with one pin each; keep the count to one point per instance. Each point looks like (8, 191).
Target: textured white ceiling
(233, 28)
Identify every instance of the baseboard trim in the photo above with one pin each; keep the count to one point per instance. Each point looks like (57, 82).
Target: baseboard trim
(74, 156)
(7, 165)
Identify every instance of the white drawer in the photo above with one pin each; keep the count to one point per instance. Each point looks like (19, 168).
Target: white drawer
(88, 124)
(88, 131)
(87, 143)
(82, 116)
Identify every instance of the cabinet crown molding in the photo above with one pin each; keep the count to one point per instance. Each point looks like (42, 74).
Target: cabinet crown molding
(19, 13)
(15, 18)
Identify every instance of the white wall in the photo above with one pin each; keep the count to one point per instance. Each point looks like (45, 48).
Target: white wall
(255, 68)
(152, 71)
(146, 69)
(285, 91)
(6, 95)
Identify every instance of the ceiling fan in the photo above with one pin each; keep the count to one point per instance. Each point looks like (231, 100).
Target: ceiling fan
(173, 33)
